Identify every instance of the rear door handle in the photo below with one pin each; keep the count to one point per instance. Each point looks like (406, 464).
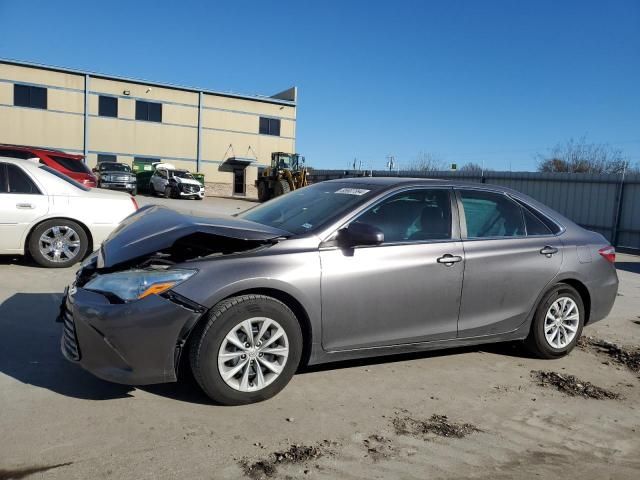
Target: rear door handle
(25, 206)
(449, 259)
(548, 251)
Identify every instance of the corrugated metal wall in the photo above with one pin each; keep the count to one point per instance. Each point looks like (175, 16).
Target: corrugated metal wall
(608, 204)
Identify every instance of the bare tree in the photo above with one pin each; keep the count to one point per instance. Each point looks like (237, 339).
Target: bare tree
(583, 157)
(427, 162)
(471, 167)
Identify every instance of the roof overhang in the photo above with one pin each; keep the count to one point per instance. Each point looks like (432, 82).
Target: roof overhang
(240, 161)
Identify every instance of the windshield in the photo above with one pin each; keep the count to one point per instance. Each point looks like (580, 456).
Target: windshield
(62, 176)
(114, 167)
(309, 208)
(180, 173)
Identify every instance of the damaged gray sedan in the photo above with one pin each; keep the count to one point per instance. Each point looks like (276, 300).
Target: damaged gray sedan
(337, 270)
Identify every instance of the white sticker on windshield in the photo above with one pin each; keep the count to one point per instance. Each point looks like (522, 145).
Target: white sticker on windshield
(352, 191)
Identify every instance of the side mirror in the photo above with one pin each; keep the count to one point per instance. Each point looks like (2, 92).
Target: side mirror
(359, 234)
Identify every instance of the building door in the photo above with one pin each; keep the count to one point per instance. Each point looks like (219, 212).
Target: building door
(238, 181)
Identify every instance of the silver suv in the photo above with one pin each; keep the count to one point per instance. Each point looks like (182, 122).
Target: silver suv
(174, 183)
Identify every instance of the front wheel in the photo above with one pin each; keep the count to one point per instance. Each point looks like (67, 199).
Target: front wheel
(58, 243)
(557, 323)
(246, 350)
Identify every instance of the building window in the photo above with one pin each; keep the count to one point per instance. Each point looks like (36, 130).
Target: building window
(149, 111)
(270, 126)
(28, 96)
(103, 157)
(108, 106)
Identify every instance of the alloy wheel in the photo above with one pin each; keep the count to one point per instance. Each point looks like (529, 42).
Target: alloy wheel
(561, 322)
(59, 244)
(253, 354)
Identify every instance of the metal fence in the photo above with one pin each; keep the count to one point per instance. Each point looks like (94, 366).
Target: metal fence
(606, 203)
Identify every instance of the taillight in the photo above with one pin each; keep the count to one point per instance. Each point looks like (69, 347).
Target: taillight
(135, 204)
(608, 253)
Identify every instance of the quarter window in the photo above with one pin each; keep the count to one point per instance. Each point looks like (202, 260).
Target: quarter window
(3, 178)
(19, 182)
(149, 111)
(490, 214)
(269, 126)
(534, 225)
(29, 96)
(412, 216)
(107, 106)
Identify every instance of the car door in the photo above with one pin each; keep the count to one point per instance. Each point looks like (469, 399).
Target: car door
(505, 269)
(401, 291)
(21, 203)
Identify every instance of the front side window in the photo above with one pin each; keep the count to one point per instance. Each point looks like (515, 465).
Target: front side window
(269, 126)
(149, 111)
(107, 106)
(412, 216)
(29, 96)
(19, 182)
(489, 214)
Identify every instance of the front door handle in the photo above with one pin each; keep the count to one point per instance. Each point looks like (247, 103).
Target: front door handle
(449, 259)
(25, 206)
(548, 251)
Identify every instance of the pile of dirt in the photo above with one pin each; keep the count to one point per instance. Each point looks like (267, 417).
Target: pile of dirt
(436, 425)
(379, 447)
(628, 357)
(295, 454)
(572, 386)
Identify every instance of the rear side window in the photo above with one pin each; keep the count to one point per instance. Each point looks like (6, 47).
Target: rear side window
(413, 216)
(71, 164)
(489, 214)
(19, 182)
(3, 178)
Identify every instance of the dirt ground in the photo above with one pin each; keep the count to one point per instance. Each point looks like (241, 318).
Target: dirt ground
(464, 413)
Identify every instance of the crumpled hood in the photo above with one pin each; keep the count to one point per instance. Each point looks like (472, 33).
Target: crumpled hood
(154, 228)
(188, 181)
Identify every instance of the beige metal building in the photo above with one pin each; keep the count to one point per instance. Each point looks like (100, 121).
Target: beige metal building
(227, 137)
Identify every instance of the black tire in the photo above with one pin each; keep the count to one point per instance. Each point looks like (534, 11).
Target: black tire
(263, 192)
(536, 342)
(167, 192)
(44, 260)
(281, 187)
(210, 333)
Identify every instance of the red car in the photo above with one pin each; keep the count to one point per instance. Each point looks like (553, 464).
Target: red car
(70, 165)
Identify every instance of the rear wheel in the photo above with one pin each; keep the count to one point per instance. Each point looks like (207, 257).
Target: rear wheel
(58, 243)
(247, 350)
(557, 324)
(281, 187)
(263, 191)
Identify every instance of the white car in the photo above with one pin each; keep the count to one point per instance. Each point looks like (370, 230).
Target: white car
(52, 217)
(171, 182)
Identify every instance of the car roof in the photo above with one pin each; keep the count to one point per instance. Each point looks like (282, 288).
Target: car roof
(26, 148)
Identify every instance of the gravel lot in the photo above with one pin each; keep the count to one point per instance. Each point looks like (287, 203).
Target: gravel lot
(472, 412)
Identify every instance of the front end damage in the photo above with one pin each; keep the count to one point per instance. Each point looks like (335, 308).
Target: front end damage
(122, 320)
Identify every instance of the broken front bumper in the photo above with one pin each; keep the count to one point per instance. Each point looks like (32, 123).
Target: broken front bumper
(133, 343)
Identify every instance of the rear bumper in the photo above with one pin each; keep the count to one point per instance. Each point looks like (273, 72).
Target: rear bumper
(603, 294)
(135, 343)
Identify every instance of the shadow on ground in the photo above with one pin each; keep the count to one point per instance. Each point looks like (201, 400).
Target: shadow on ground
(31, 355)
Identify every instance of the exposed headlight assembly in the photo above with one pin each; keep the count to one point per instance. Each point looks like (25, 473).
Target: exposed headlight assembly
(136, 284)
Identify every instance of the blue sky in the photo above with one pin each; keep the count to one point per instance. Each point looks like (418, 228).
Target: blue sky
(483, 81)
